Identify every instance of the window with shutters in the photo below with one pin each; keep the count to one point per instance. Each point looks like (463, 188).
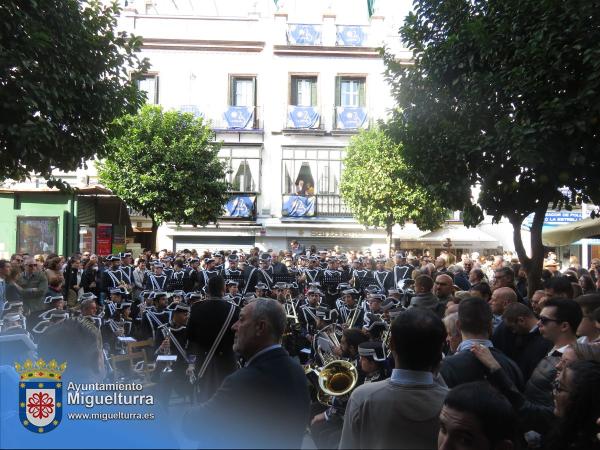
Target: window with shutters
(350, 92)
(303, 91)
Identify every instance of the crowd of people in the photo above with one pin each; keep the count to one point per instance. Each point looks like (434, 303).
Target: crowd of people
(353, 349)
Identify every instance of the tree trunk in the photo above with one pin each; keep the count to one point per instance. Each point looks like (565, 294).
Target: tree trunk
(533, 265)
(388, 240)
(155, 225)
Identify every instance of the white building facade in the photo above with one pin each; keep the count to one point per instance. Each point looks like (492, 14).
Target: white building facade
(285, 87)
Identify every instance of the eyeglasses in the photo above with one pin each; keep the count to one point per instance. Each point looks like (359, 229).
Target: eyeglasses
(545, 320)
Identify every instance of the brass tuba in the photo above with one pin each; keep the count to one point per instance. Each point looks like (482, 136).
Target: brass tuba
(335, 379)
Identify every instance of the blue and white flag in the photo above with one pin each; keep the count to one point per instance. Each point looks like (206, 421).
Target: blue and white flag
(303, 34)
(349, 118)
(238, 116)
(240, 206)
(304, 117)
(350, 36)
(298, 206)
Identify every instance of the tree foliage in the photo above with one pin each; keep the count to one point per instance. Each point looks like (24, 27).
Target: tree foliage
(64, 77)
(505, 95)
(166, 165)
(375, 185)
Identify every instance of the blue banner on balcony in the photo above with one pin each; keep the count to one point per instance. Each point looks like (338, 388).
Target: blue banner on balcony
(240, 206)
(238, 116)
(193, 109)
(304, 117)
(298, 206)
(350, 118)
(303, 34)
(350, 36)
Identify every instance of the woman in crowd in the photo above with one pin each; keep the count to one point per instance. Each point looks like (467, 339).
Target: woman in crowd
(577, 406)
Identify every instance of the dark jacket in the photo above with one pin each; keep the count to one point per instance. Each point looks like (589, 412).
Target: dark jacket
(464, 367)
(263, 405)
(526, 350)
(205, 322)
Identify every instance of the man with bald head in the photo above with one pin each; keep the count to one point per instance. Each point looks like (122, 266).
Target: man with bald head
(503, 337)
(443, 288)
(501, 298)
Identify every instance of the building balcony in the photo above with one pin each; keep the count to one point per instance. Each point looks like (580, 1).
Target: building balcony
(307, 206)
(303, 120)
(237, 118)
(350, 119)
(241, 206)
(304, 34)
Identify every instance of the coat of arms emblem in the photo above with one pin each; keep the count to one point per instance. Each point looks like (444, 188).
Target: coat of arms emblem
(40, 394)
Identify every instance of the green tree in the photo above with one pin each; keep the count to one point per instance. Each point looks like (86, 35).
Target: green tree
(64, 77)
(166, 165)
(375, 186)
(504, 95)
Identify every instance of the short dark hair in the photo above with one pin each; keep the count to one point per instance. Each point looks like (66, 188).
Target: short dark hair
(3, 263)
(355, 337)
(567, 310)
(483, 288)
(507, 271)
(418, 335)
(516, 310)
(474, 315)
(588, 303)
(424, 281)
(216, 286)
(493, 411)
(560, 285)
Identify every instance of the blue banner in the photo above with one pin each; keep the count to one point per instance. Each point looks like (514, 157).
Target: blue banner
(303, 34)
(240, 206)
(304, 117)
(351, 118)
(238, 116)
(193, 109)
(350, 36)
(554, 218)
(298, 206)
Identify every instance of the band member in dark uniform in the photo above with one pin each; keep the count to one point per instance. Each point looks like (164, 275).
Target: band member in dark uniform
(210, 338)
(331, 278)
(383, 278)
(350, 313)
(174, 376)
(157, 281)
(112, 277)
(177, 278)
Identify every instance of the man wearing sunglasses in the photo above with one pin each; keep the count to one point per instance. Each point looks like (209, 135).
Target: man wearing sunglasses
(558, 322)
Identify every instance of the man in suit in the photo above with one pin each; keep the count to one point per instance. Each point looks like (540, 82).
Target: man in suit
(266, 403)
(475, 325)
(209, 321)
(530, 346)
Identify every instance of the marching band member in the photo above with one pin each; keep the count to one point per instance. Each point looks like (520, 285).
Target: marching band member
(157, 281)
(112, 277)
(383, 278)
